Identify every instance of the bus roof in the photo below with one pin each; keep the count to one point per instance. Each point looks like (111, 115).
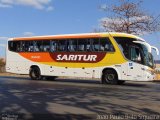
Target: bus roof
(83, 35)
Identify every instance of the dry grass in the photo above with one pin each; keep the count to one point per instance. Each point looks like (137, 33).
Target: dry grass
(158, 75)
(11, 74)
(158, 65)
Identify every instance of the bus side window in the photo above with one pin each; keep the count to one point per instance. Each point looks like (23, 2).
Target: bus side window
(89, 45)
(62, 46)
(22, 46)
(14, 46)
(31, 46)
(106, 45)
(72, 45)
(81, 45)
(95, 44)
(27, 45)
(54, 46)
(46, 46)
(38, 46)
(10, 46)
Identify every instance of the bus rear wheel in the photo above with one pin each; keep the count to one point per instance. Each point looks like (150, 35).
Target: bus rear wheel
(110, 77)
(35, 73)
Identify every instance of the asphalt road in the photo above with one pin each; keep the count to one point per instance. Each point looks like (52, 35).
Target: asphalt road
(23, 98)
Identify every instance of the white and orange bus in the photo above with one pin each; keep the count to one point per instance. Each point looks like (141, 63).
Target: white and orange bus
(112, 57)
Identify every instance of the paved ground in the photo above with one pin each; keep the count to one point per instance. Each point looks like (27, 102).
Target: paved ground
(76, 99)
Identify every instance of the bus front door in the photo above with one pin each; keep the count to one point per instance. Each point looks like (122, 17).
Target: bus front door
(135, 67)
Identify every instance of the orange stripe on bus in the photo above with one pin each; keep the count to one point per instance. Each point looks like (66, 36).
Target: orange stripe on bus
(37, 57)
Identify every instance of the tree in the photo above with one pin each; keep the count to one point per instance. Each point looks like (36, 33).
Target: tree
(129, 18)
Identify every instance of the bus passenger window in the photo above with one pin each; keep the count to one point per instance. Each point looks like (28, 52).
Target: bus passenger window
(54, 46)
(46, 46)
(14, 46)
(18, 47)
(95, 44)
(62, 45)
(27, 46)
(31, 46)
(81, 45)
(22, 46)
(88, 46)
(72, 45)
(106, 45)
(38, 46)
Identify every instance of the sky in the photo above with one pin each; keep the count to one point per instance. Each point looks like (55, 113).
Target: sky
(50, 17)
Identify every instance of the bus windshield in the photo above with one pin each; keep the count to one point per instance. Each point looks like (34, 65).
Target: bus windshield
(134, 51)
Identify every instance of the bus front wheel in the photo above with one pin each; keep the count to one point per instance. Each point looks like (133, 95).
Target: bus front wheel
(35, 73)
(110, 77)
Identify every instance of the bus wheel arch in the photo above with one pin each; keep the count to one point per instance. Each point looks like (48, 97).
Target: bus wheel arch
(109, 76)
(35, 73)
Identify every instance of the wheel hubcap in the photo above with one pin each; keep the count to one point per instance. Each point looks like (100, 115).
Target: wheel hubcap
(110, 77)
(35, 73)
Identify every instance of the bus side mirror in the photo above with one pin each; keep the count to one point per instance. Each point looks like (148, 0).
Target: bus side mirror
(156, 49)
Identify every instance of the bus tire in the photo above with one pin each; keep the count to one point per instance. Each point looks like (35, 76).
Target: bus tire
(110, 77)
(35, 73)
